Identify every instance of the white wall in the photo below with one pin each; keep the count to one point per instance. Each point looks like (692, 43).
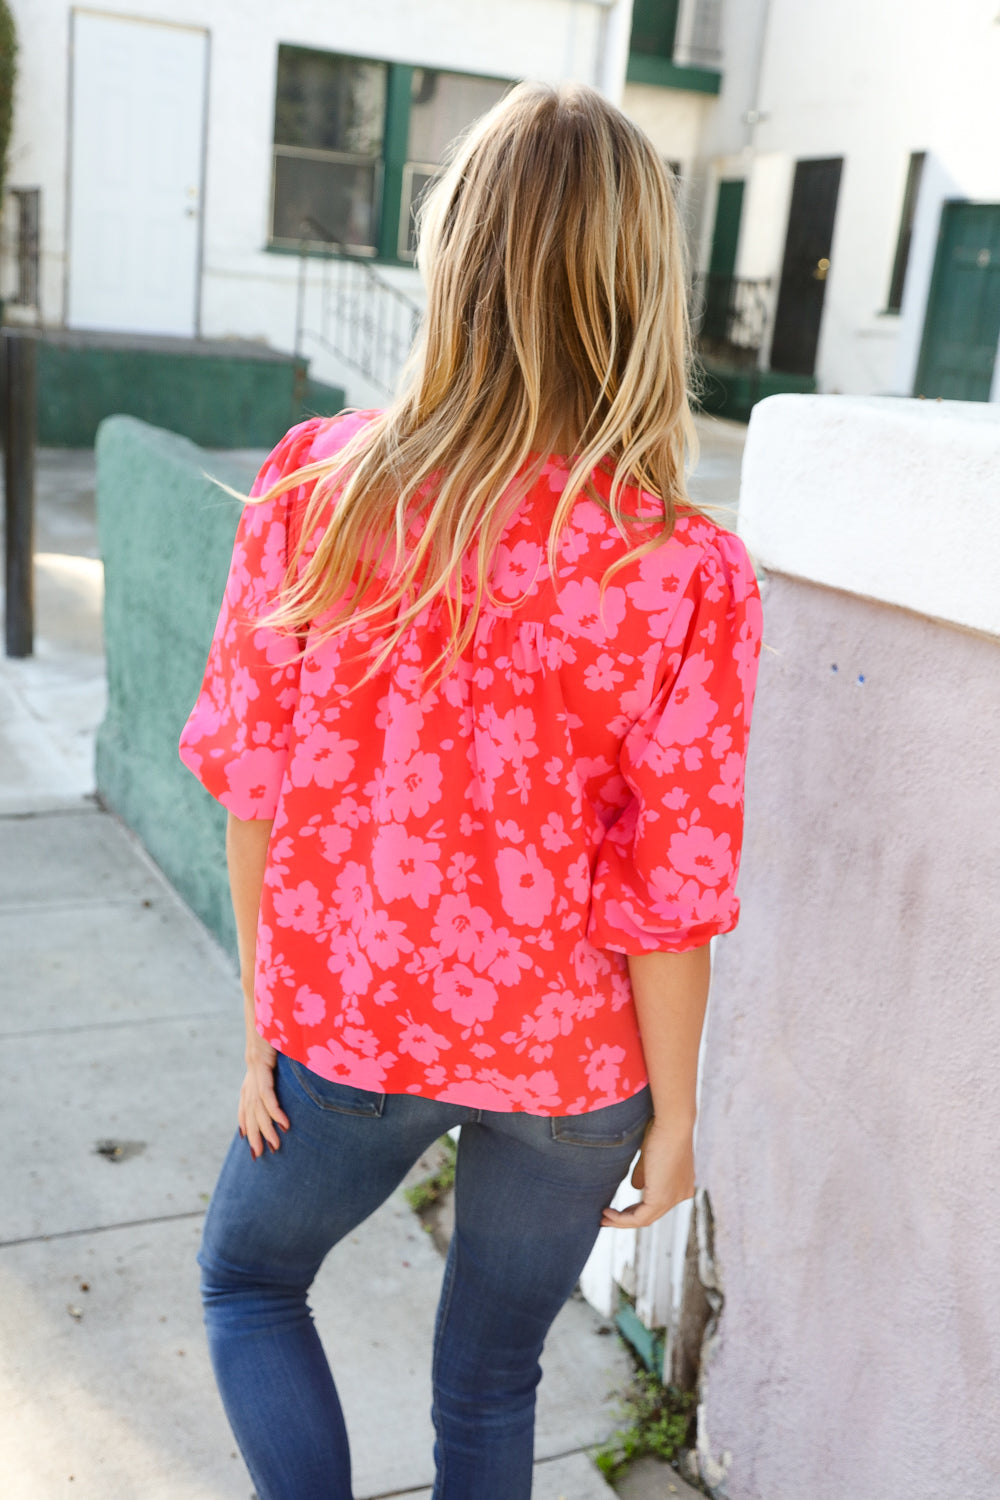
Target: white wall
(247, 291)
(851, 1098)
(871, 81)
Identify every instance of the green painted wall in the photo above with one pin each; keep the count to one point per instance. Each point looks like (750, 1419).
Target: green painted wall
(734, 393)
(166, 535)
(214, 399)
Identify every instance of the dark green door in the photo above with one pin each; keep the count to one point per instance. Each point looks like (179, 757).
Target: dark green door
(721, 266)
(962, 325)
(804, 270)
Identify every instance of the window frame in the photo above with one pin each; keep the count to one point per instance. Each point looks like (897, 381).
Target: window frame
(394, 170)
(915, 168)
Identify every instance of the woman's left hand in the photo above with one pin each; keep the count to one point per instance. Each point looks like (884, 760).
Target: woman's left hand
(664, 1172)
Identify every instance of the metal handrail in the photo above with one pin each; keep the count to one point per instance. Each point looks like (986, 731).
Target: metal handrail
(364, 320)
(730, 315)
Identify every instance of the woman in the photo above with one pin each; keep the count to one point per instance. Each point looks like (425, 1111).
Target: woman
(477, 704)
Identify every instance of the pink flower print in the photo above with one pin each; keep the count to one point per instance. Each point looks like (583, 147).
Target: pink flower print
(254, 779)
(514, 734)
(729, 790)
(518, 569)
(538, 1091)
(657, 586)
(469, 998)
(573, 543)
(582, 610)
(460, 871)
(690, 709)
(298, 907)
(342, 1065)
(556, 652)
(242, 691)
(578, 879)
(721, 740)
(334, 842)
(510, 831)
(405, 866)
(322, 758)
(310, 1008)
(589, 965)
(473, 1093)
(402, 718)
(352, 895)
(409, 788)
(695, 851)
(553, 833)
(601, 676)
(384, 940)
(320, 670)
(509, 960)
(422, 1042)
(527, 888)
(347, 960)
(603, 1068)
(461, 929)
(589, 517)
(554, 771)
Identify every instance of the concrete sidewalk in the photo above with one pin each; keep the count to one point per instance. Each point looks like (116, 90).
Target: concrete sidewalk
(122, 1040)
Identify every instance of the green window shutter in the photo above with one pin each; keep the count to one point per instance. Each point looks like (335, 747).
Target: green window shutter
(654, 27)
(397, 130)
(726, 233)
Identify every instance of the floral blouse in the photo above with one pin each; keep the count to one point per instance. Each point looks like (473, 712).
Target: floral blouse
(456, 871)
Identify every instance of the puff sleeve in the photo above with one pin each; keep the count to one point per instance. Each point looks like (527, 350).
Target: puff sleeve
(665, 876)
(236, 739)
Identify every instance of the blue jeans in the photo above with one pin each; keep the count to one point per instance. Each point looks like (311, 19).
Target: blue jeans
(529, 1191)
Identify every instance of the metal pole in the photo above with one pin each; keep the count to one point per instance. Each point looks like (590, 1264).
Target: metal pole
(19, 351)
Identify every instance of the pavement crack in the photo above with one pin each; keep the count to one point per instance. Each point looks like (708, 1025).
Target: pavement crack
(69, 1234)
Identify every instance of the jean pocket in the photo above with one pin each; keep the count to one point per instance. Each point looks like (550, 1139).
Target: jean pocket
(614, 1125)
(342, 1098)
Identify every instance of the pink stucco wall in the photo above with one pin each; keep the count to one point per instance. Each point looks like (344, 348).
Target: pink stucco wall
(850, 1124)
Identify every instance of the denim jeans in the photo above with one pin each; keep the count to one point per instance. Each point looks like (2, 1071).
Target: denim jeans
(529, 1191)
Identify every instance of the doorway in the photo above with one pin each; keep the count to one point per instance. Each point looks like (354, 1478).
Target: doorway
(722, 263)
(805, 266)
(962, 324)
(136, 151)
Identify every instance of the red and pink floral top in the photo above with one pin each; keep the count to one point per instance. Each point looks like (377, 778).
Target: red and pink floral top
(456, 872)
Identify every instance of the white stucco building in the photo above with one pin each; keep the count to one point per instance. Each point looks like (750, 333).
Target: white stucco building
(843, 188)
(173, 150)
(837, 166)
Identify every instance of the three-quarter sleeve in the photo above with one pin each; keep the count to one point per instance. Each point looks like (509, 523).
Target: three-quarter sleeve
(665, 876)
(236, 739)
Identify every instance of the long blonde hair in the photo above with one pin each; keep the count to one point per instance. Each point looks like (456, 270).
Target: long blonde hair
(552, 255)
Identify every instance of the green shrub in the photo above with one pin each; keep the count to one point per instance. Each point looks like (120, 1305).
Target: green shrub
(659, 1426)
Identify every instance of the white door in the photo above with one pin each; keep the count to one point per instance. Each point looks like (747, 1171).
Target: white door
(136, 149)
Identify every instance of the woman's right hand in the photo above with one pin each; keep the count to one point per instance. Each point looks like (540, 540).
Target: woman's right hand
(664, 1172)
(259, 1110)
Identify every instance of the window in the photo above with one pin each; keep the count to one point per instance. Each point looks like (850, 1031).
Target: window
(654, 27)
(329, 123)
(913, 176)
(441, 106)
(356, 142)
